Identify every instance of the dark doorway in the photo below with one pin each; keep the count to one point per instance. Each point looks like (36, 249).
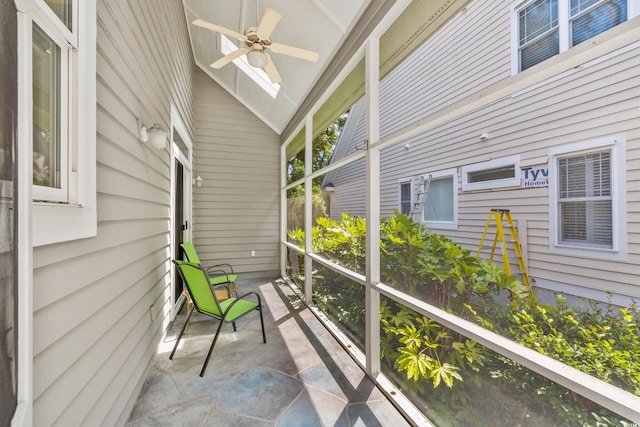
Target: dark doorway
(179, 224)
(8, 214)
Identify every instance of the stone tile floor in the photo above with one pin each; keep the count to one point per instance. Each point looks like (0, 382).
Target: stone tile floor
(300, 377)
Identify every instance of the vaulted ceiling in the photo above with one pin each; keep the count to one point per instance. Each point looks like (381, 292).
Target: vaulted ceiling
(317, 25)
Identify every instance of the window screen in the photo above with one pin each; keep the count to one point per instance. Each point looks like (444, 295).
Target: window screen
(538, 32)
(405, 198)
(591, 17)
(585, 202)
(505, 172)
(439, 204)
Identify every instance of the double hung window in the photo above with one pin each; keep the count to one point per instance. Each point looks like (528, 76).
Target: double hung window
(405, 197)
(545, 28)
(54, 40)
(58, 84)
(584, 200)
(587, 198)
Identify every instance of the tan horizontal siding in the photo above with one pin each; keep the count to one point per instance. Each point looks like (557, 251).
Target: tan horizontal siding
(237, 209)
(590, 102)
(93, 335)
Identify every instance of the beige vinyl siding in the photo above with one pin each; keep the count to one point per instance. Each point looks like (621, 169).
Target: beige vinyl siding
(237, 209)
(600, 100)
(93, 334)
(350, 178)
(459, 63)
(597, 100)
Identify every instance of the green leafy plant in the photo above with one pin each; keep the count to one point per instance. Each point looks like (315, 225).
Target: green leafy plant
(423, 355)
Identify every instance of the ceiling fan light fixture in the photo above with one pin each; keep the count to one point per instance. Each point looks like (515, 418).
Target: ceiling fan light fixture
(257, 59)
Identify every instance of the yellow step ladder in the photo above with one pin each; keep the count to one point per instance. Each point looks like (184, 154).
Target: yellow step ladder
(498, 215)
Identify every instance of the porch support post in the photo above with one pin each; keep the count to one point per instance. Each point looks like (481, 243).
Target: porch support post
(24, 204)
(284, 214)
(372, 296)
(308, 207)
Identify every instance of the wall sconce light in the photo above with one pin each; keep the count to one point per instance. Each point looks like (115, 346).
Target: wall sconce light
(197, 181)
(155, 135)
(329, 187)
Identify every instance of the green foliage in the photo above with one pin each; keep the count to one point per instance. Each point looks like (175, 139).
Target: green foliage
(422, 348)
(600, 342)
(322, 150)
(424, 355)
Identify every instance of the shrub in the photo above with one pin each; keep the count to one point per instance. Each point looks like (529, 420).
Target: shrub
(425, 355)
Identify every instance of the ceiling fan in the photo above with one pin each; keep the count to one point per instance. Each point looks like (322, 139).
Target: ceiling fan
(258, 41)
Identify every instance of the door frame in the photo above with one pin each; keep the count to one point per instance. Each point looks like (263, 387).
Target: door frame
(177, 154)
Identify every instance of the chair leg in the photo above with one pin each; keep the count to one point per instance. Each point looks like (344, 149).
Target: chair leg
(215, 339)
(264, 337)
(175, 346)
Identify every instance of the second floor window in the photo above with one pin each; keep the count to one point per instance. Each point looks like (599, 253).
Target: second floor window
(548, 27)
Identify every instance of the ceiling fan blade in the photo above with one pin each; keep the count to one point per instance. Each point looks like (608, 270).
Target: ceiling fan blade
(230, 57)
(272, 71)
(297, 52)
(219, 29)
(268, 23)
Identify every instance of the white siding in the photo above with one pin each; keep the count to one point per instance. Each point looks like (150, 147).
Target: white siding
(237, 209)
(590, 102)
(93, 334)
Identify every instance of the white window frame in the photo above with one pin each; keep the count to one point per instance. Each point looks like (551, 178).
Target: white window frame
(61, 194)
(444, 225)
(564, 27)
(495, 183)
(402, 181)
(72, 215)
(618, 251)
(177, 125)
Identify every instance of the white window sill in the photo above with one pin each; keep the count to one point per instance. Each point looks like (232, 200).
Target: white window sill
(435, 225)
(587, 252)
(55, 223)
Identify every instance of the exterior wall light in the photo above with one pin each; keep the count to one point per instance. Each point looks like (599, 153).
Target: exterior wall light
(155, 135)
(198, 181)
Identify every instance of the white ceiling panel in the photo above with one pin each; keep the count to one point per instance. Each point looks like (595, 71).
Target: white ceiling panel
(318, 25)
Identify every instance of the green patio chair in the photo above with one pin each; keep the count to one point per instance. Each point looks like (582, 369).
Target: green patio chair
(220, 274)
(203, 300)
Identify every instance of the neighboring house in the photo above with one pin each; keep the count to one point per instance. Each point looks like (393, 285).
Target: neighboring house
(562, 155)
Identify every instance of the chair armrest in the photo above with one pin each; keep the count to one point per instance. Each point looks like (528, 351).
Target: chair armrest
(217, 273)
(242, 297)
(216, 267)
(251, 293)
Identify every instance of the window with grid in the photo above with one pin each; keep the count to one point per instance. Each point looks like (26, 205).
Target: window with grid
(585, 199)
(542, 32)
(405, 198)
